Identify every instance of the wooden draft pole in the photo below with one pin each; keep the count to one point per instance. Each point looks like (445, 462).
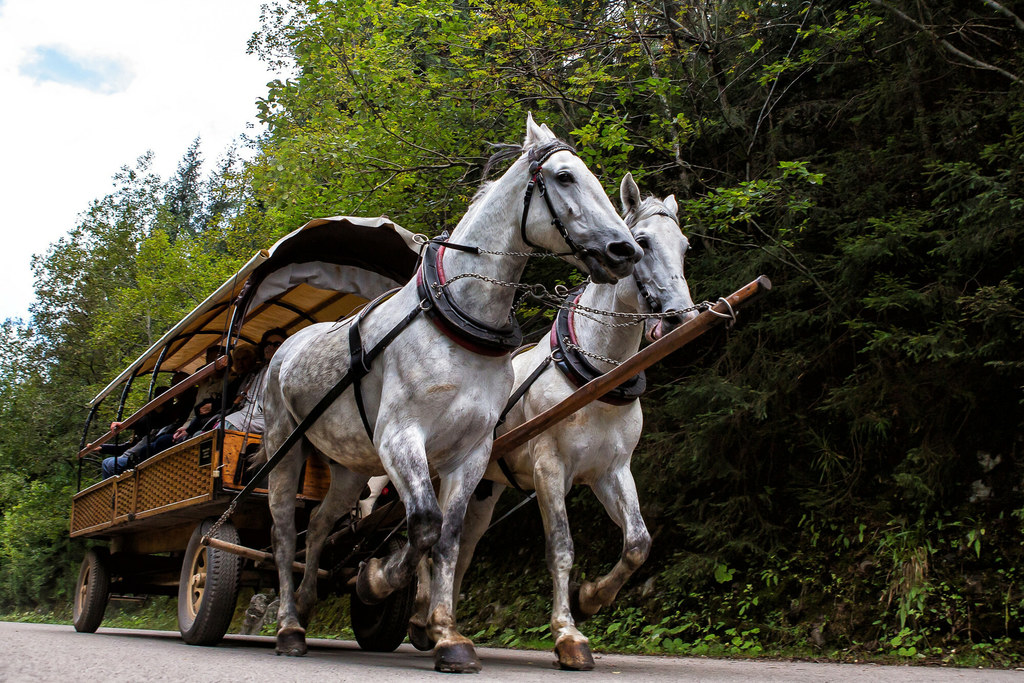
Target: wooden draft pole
(642, 360)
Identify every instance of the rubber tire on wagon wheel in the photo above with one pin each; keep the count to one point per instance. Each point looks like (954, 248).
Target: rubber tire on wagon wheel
(92, 590)
(208, 587)
(382, 627)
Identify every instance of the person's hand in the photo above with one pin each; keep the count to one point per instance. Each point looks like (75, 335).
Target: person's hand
(116, 426)
(180, 433)
(90, 448)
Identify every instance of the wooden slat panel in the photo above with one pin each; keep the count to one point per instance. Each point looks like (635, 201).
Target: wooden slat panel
(175, 476)
(316, 478)
(93, 509)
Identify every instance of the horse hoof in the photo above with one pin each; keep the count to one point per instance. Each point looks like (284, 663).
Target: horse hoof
(457, 658)
(291, 643)
(368, 582)
(574, 655)
(575, 608)
(419, 638)
(305, 614)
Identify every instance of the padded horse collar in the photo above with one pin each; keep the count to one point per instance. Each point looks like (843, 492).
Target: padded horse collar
(537, 158)
(577, 368)
(456, 324)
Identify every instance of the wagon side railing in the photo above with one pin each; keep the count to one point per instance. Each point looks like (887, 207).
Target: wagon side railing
(176, 390)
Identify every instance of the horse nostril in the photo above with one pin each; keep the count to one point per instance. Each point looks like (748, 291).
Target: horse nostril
(674, 319)
(624, 251)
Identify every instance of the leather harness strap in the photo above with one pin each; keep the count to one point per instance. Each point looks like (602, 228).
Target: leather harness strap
(355, 372)
(577, 368)
(451, 320)
(537, 181)
(358, 358)
(514, 399)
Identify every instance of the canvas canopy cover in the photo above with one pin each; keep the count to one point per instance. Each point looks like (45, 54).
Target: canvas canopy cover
(318, 273)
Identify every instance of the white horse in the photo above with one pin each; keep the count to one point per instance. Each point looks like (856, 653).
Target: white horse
(594, 445)
(430, 400)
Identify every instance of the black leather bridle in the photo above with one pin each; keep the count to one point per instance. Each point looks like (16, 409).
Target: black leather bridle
(537, 159)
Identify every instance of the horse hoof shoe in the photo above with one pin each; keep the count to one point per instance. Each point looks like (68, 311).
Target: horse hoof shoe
(291, 644)
(459, 658)
(364, 582)
(575, 608)
(420, 639)
(574, 655)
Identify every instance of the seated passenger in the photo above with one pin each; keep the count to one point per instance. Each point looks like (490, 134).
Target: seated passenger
(248, 415)
(179, 411)
(205, 418)
(125, 456)
(204, 414)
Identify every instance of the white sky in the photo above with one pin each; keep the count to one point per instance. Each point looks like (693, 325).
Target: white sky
(88, 87)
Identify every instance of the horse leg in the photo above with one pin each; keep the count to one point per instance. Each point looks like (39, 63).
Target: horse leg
(341, 497)
(617, 492)
(283, 486)
(454, 652)
(478, 516)
(549, 478)
(418, 635)
(405, 460)
(479, 512)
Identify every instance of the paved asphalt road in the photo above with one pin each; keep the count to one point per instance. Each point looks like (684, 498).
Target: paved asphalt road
(43, 652)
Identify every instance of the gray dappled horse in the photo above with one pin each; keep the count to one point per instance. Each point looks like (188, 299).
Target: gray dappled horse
(431, 398)
(594, 445)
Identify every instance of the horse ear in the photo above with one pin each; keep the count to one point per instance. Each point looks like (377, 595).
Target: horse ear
(536, 135)
(629, 193)
(671, 205)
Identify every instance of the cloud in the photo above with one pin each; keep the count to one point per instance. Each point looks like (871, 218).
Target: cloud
(57, 65)
(190, 75)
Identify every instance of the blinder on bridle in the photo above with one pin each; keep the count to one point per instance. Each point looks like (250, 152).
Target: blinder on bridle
(632, 218)
(537, 158)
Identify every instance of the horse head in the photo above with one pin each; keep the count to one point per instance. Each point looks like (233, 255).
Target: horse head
(563, 194)
(660, 284)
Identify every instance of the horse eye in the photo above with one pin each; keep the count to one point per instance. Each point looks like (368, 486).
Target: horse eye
(642, 241)
(564, 177)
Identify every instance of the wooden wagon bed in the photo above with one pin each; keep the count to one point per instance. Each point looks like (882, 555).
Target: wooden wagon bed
(188, 482)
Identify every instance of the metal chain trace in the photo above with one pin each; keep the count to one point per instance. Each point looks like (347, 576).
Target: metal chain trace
(540, 293)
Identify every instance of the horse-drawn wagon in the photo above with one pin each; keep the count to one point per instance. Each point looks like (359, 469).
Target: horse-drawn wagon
(425, 412)
(152, 517)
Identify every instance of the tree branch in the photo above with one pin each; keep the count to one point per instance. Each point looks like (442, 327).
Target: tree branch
(999, 8)
(945, 43)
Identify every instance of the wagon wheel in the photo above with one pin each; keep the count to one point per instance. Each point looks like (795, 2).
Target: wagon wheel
(382, 627)
(208, 587)
(92, 590)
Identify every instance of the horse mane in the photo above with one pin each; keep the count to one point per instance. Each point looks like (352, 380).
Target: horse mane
(508, 151)
(474, 202)
(649, 206)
